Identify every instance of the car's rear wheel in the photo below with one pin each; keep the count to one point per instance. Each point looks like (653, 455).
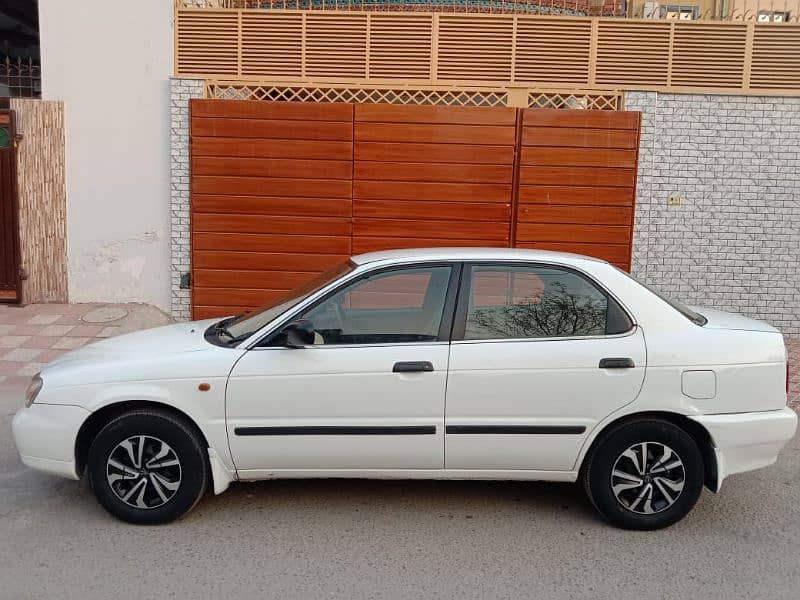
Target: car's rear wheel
(147, 467)
(644, 474)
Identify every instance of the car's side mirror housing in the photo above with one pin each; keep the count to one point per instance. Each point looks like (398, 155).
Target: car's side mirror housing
(299, 334)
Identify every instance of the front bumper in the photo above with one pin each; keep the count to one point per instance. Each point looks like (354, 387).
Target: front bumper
(45, 437)
(747, 441)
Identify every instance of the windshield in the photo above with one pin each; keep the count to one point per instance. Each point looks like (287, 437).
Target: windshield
(694, 316)
(245, 325)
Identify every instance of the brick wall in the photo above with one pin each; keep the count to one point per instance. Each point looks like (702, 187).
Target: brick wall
(734, 241)
(181, 91)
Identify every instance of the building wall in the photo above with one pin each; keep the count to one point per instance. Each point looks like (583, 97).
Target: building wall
(181, 90)
(734, 241)
(110, 63)
(42, 199)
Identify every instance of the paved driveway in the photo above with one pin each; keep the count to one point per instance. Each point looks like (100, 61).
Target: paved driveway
(368, 539)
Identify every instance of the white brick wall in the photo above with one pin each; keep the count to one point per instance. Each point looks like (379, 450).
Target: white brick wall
(734, 242)
(181, 91)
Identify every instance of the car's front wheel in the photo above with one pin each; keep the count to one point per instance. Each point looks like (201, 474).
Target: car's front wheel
(147, 467)
(644, 474)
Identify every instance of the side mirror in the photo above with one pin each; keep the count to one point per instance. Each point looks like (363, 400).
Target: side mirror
(299, 334)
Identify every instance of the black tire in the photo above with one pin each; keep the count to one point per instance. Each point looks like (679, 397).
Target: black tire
(599, 465)
(189, 477)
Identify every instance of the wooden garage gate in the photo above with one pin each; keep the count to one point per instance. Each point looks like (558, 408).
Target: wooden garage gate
(282, 190)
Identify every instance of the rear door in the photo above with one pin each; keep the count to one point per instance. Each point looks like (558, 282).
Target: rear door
(540, 354)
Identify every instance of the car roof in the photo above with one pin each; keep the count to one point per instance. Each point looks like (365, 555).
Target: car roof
(470, 254)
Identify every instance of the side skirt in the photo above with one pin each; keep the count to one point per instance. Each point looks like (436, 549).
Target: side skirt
(498, 475)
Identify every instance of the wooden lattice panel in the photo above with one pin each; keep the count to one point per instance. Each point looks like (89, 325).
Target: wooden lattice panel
(207, 42)
(272, 42)
(706, 54)
(552, 51)
(776, 57)
(336, 45)
(400, 46)
(475, 48)
(632, 53)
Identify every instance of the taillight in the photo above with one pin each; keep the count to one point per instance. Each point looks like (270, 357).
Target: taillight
(787, 378)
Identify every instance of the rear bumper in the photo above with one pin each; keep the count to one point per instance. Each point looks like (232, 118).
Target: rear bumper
(45, 437)
(747, 441)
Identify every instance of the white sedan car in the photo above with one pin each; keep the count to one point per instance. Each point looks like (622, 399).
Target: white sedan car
(462, 363)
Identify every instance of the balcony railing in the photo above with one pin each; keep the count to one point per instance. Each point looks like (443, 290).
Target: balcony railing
(763, 11)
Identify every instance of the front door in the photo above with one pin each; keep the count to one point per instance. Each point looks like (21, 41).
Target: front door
(368, 394)
(540, 355)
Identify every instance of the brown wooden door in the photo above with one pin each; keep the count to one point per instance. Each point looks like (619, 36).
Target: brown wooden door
(280, 191)
(271, 198)
(432, 176)
(577, 182)
(9, 227)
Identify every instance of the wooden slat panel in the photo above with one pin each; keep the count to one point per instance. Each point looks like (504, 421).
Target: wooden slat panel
(258, 279)
(275, 148)
(272, 167)
(269, 224)
(586, 215)
(447, 211)
(435, 153)
(207, 42)
(400, 46)
(632, 52)
(234, 297)
(444, 192)
(552, 51)
(272, 128)
(597, 119)
(475, 48)
(418, 132)
(577, 157)
(272, 42)
(336, 43)
(271, 243)
(578, 176)
(706, 54)
(460, 230)
(776, 59)
(271, 198)
(372, 244)
(576, 195)
(580, 137)
(550, 232)
(435, 115)
(252, 186)
(421, 171)
(267, 205)
(293, 111)
(278, 261)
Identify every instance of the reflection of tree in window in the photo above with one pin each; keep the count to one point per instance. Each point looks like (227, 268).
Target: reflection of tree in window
(557, 311)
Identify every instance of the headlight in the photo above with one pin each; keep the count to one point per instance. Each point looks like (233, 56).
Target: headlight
(33, 389)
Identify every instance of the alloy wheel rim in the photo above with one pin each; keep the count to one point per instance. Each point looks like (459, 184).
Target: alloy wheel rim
(648, 478)
(143, 471)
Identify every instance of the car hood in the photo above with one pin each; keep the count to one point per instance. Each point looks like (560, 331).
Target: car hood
(169, 352)
(718, 319)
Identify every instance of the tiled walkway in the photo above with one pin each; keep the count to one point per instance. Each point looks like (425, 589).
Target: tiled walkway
(33, 335)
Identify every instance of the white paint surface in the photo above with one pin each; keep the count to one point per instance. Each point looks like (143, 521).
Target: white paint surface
(110, 63)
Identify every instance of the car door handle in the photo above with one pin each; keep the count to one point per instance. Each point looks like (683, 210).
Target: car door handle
(616, 363)
(412, 366)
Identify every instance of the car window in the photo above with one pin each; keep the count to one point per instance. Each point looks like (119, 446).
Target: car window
(513, 302)
(398, 306)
